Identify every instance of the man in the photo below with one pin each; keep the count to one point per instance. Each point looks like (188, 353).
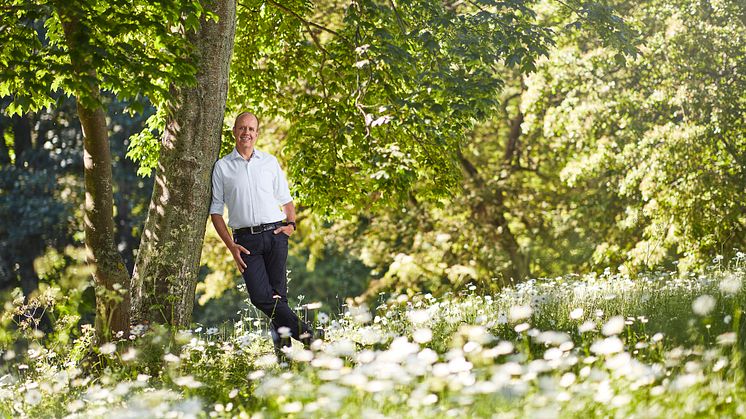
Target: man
(252, 185)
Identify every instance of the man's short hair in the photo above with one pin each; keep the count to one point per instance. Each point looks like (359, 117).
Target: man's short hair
(243, 114)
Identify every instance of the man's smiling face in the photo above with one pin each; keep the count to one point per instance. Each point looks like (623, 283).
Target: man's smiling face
(245, 131)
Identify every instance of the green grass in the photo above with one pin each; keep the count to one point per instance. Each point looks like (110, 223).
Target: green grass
(536, 350)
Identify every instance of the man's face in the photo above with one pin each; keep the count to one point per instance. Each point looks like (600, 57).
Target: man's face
(246, 131)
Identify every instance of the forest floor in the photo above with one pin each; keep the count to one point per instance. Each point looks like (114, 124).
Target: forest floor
(656, 345)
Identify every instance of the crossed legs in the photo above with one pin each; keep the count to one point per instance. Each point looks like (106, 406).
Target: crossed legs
(266, 281)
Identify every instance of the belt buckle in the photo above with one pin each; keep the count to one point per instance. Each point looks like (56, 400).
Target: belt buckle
(259, 229)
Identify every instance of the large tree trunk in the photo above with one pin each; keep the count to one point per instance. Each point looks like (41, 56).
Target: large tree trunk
(167, 263)
(519, 266)
(110, 276)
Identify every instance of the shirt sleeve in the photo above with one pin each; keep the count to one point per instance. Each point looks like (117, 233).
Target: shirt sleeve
(282, 191)
(217, 205)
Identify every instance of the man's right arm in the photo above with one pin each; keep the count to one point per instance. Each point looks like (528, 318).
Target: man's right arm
(216, 216)
(235, 248)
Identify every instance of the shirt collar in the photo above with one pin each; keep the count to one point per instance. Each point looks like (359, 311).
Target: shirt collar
(236, 155)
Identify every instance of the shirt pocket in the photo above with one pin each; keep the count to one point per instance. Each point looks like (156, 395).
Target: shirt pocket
(232, 186)
(266, 181)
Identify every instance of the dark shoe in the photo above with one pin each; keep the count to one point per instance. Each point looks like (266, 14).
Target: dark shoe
(277, 342)
(319, 334)
(312, 336)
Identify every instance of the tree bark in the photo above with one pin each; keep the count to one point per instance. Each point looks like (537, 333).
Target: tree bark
(167, 263)
(519, 269)
(110, 276)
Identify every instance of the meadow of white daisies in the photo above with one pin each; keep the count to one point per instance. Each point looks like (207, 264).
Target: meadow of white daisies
(654, 345)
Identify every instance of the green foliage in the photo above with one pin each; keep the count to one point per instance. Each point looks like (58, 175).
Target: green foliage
(134, 49)
(378, 95)
(30, 208)
(375, 105)
(37, 191)
(586, 163)
(330, 278)
(145, 146)
(654, 146)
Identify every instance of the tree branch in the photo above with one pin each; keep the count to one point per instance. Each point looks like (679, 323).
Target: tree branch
(481, 9)
(308, 23)
(519, 168)
(507, 100)
(574, 10)
(470, 169)
(513, 137)
(402, 28)
(22, 8)
(730, 149)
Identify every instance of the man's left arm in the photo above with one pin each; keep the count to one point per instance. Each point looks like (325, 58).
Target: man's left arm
(282, 194)
(289, 210)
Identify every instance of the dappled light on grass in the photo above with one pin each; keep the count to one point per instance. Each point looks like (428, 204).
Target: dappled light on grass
(604, 345)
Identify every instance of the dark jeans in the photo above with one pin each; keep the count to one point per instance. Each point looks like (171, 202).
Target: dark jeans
(266, 277)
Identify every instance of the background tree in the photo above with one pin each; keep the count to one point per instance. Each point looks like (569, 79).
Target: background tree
(621, 166)
(656, 146)
(34, 214)
(79, 49)
(380, 96)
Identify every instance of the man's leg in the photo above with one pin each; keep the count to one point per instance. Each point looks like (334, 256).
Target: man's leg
(275, 260)
(257, 284)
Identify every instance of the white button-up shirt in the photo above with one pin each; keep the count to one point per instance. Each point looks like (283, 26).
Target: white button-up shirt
(253, 190)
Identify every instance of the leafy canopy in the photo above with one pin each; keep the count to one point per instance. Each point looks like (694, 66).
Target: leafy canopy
(380, 95)
(133, 48)
(657, 146)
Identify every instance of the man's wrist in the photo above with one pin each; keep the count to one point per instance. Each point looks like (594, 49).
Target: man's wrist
(292, 223)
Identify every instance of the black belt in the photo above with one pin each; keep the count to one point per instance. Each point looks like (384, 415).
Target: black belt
(261, 228)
